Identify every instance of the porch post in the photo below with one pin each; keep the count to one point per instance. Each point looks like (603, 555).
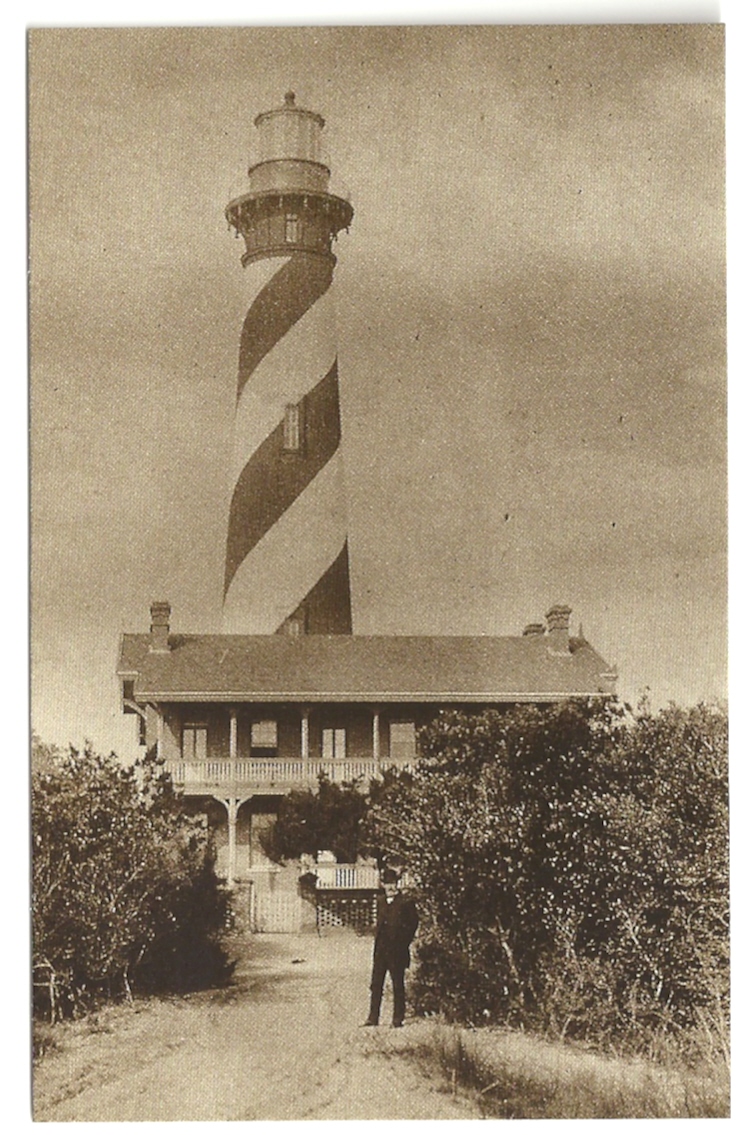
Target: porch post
(232, 807)
(376, 742)
(159, 732)
(232, 804)
(233, 743)
(305, 741)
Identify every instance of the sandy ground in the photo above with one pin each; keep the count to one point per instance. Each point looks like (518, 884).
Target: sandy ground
(283, 1042)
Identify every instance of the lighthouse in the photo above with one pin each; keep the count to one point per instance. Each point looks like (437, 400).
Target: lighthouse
(287, 565)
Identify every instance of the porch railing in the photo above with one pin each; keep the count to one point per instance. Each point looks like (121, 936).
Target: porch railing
(267, 771)
(346, 876)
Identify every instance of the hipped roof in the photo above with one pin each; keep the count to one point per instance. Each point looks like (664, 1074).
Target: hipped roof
(362, 668)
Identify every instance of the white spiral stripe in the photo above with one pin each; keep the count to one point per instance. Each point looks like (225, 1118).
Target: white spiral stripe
(290, 559)
(294, 366)
(260, 272)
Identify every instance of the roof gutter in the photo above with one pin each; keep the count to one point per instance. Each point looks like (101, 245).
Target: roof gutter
(365, 696)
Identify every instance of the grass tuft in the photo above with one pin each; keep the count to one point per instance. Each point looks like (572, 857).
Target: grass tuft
(513, 1075)
(44, 1039)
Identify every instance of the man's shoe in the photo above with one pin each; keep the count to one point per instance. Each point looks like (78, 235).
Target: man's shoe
(369, 1024)
(397, 1024)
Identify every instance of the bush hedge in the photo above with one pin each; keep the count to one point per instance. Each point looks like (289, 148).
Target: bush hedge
(571, 869)
(124, 894)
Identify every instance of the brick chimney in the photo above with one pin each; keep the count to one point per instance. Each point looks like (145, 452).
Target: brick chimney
(160, 613)
(558, 619)
(531, 630)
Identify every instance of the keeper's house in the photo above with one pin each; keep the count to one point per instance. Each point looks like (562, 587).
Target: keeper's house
(242, 719)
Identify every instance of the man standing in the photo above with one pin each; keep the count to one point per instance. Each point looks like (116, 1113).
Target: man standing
(395, 929)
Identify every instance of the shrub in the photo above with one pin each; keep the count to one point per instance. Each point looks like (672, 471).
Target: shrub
(327, 818)
(124, 892)
(571, 868)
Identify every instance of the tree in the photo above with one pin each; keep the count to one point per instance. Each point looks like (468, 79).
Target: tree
(44, 757)
(124, 892)
(571, 865)
(326, 819)
(668, 863)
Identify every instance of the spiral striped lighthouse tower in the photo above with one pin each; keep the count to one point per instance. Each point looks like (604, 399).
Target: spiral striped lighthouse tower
(287, 550)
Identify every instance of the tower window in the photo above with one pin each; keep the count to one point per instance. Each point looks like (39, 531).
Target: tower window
(333, 744)
(194, 743)
(264, 738)
(294, 625)
(291, 229)
(292, 428)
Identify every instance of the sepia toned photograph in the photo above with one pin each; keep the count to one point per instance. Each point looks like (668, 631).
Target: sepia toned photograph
(379, 708)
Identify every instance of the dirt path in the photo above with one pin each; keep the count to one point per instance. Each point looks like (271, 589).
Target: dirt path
(284, 1042)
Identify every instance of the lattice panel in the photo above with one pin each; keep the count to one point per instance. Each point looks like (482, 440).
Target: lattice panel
(358, 912)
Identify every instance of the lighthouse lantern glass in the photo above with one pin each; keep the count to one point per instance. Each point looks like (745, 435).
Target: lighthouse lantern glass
(290, 134)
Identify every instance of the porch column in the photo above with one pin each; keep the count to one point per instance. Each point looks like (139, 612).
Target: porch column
(305, 741)
(232, 807)
(233, 743)
(376, 742)
(159, 732)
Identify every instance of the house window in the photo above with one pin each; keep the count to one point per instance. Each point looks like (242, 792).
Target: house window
(333, 744)
(402, 745)
(264, 738)
(194, 743)
(291, 229)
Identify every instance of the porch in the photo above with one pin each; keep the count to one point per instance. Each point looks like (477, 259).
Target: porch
(264, 775)
(270, 749)
(346, 876)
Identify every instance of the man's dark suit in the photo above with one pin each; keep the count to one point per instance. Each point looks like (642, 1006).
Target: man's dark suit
(395, 929)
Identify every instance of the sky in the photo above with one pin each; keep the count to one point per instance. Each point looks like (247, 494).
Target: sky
(531, 325)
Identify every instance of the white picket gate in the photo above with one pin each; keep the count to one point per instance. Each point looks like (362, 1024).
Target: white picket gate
(275, 912)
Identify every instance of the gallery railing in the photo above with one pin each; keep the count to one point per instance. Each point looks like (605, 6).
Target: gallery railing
(268, 771)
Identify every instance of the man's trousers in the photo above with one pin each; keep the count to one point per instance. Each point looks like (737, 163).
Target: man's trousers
(397, 973)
